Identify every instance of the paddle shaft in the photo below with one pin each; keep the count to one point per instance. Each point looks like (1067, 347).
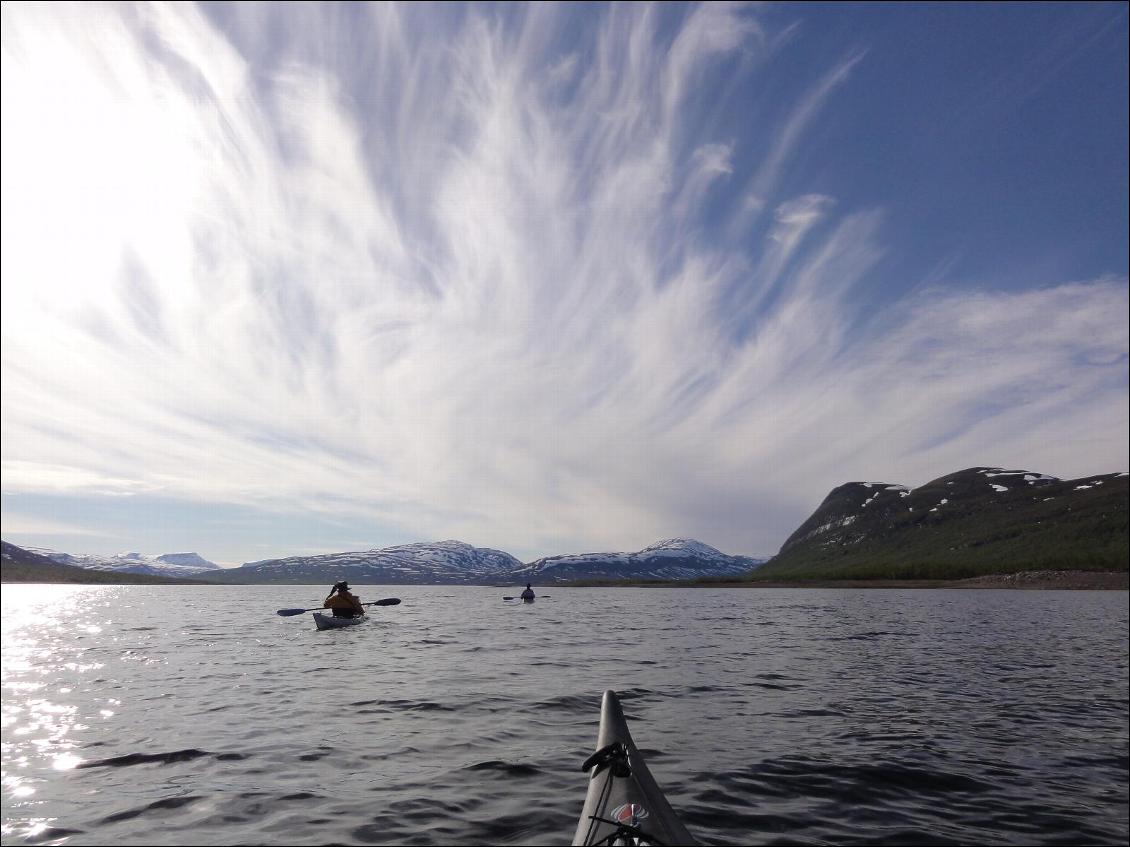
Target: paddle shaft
(388, 601)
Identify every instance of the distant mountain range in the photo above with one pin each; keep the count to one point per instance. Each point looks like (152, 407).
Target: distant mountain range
(675, 558)
(973, 522)
(20, 565)
(457, 563)
(176, 565)
(426, 563)
(430, 563)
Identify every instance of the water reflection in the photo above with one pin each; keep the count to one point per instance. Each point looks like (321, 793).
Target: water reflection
(43, 662)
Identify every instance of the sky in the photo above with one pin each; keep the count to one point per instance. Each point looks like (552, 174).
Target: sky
(282, 279)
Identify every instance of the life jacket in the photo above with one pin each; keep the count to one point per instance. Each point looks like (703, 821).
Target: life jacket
(343, 606)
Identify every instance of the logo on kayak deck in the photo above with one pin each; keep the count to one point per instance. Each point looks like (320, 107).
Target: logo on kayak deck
(629, 814)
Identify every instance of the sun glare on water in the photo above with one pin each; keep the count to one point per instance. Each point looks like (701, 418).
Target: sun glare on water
(40, 623)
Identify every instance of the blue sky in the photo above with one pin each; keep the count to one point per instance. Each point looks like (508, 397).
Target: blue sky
(281, 279)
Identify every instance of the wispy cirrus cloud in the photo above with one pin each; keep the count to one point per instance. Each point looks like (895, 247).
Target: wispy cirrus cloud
(471, 276)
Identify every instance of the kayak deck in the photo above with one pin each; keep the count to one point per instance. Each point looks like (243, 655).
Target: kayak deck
(623, 804)
(324, 620)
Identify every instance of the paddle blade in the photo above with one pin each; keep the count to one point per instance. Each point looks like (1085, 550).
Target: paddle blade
(286, 613)
(507, 598)
(388, 601)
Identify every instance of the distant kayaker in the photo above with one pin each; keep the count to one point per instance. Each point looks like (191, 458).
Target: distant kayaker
(343, 603)
(528, 594)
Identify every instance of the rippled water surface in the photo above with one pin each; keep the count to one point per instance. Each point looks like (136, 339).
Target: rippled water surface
(184, 715)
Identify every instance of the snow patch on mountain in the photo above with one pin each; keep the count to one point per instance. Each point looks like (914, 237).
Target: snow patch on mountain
(1025, 476)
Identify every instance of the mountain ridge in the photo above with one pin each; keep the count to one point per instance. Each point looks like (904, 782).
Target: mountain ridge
(420, 563)
(969, 523)
(670, 559)
(457, 563)
(21, 565)
(174, 565)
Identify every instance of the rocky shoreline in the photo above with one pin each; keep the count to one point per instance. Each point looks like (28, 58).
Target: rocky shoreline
(1078, 580)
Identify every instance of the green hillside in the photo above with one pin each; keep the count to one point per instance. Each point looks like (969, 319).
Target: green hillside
(975, 522)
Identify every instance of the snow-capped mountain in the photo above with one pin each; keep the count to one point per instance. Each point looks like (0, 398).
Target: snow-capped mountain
(675, 558)
(168, 564)
(424, 563)
(187, 560)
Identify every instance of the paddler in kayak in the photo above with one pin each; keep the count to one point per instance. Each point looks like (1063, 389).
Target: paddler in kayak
(343, 603)
(528, 594)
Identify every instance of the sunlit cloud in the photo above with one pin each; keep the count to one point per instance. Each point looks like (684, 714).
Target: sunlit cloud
(457, 275)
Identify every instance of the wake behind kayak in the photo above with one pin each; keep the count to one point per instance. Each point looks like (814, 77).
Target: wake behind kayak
(624, 805)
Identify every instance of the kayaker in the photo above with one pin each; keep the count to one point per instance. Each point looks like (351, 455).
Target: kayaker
(343, 602)
(528, 594)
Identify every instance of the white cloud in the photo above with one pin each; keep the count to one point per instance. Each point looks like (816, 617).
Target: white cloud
(30, 525)
(463, 291)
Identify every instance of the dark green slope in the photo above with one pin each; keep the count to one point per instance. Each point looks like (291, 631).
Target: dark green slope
(20, 565)
(977, 521)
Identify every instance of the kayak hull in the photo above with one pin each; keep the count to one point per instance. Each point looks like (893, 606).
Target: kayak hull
(325, 620)
(633, 799)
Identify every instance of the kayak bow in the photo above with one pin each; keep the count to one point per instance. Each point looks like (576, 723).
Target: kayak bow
(624, 806)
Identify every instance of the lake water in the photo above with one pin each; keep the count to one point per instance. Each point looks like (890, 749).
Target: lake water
(186, 715)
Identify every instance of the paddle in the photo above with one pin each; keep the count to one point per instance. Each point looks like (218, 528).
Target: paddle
(539, 597)
(388, 601)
